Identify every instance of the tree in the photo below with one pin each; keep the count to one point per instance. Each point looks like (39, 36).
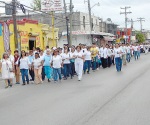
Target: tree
(36, 4)
(140, 37)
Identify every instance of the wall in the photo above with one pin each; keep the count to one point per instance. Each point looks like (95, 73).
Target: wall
(76, 40)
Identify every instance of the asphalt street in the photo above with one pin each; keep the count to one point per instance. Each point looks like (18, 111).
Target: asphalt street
(104, 97)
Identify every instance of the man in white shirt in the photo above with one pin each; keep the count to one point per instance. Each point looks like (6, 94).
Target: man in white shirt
(124, 49)
(135, 49)
(128, 55)
(105, 55)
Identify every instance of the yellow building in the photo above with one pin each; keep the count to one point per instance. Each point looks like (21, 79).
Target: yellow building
(31, 34)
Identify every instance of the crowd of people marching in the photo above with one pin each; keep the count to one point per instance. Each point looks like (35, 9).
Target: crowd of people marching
(56, 64)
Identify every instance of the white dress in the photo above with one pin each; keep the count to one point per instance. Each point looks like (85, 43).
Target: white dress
(6, 74)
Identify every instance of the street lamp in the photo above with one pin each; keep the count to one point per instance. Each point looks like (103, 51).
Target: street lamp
(90, 21)
(97, 4)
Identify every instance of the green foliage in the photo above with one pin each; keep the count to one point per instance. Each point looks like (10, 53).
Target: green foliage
(36, 4)
(140, 37)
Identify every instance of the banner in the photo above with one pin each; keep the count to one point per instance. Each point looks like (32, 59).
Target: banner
(51, 5)
(0, 29)
(6, 37)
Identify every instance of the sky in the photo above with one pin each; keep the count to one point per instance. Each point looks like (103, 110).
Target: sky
(111, 9)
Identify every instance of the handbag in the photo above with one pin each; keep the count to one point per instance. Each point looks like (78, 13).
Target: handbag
(11, 70)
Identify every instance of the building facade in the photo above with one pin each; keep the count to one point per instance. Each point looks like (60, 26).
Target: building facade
(31, 34)
(102, 32)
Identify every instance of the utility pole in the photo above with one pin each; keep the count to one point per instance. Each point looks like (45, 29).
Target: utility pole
(17, 45)
(67, 21)
(132, 23)
(71, 12)
(141, 20)
(53, 27)
(90, 20)
(126, 20)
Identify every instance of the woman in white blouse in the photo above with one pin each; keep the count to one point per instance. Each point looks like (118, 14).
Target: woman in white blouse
(6, 67)
(37, 64)
(56, 64)
(118, 57)
(79, 59)
(24, 63)
(87, 63)
(66, 56)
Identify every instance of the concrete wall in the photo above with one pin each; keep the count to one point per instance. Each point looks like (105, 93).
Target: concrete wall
(76, 40)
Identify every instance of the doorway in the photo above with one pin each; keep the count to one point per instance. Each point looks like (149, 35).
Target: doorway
(31, 44)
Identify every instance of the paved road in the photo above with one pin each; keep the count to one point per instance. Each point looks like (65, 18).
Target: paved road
(104, 97)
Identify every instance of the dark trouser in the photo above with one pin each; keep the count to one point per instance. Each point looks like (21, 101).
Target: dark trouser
(118, 61)
(94, 63)
(56, 74)
(24, 74)
(43, 73)
(113, 60)
(72, 68)
(136, 55)
(67, 70)
(31, 72)
(109, 61)
(87, 66)
(128, 57)
(105, 61)
(102, 60)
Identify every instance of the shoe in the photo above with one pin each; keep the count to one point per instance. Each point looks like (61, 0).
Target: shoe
(65, 78)
(27, 82)
(23, 84)
(6, 87)
(88, 72)
(49, 80)
(10, 85)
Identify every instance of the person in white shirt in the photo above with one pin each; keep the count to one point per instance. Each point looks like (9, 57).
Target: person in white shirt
(42, 55)
(11, 57)
(101, 53)
(72, 60)
(105, 56)
(109, 52)
(128, 55)
(135, 48)
(118, 60)
(139, 51)
(56, 64)
(46, 48)
(66, 63)
(87, 63)
(7, 66)
(37, 65)
(79, 59)
(124, 54)
(24, 64)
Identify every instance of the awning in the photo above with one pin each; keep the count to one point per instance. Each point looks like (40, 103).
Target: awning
(88, 33)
